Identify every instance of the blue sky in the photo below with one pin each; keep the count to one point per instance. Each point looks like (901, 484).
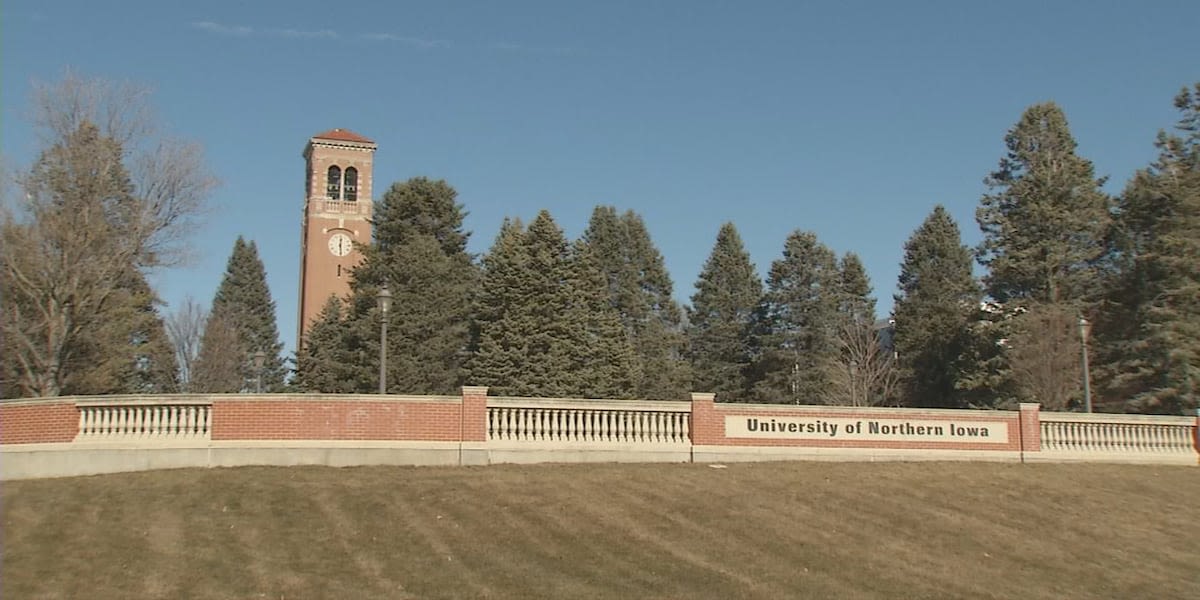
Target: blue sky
(849, 119)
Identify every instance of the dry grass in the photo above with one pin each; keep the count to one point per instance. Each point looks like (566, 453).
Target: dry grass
(796, 530)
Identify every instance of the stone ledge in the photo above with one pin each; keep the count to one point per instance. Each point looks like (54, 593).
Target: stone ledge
(778, 453)
(1130, 458)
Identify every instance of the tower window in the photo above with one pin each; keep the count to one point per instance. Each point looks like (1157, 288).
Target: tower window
(333, 185)
(351, 184)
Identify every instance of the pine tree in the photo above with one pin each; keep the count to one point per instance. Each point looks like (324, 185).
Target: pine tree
(721, 316)
(544, 325)
(243, 302)
(525, 339)
(324, 363)
(501, 330)
(640, 290)
(152, 368)
(604, 359)
(937, 300)
(796, 323)
(1044, 228)
(860, 370)
(220, 366)
(429, 323)
(1155, 350)
(127, 353)
(549, 368)
(856, 303)
(419, 251)
(1045, 221)
(420, 207)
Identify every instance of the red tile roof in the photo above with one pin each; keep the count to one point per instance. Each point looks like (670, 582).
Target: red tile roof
(343, 135)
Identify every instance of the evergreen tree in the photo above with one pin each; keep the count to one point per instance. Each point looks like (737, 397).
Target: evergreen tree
(986, 378)
(860, 371)
(727, 292)
(324, 363)
(127, 353)
(419, 251)
(220, 366)
(420, 207)
(937, 301)
(501, 328)
(640, 290)
(244, 303)
(525, 340)
(604, 360)
(856, 303)
(549, 368)
(1154, 324)
(1044, 226)
(797, 323)
(1045, 221)
(544, 325)
(152, 368)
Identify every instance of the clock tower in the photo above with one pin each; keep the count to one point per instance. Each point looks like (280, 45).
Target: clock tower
(337, 209)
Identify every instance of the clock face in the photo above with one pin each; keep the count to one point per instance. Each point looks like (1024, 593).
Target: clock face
(340, 244)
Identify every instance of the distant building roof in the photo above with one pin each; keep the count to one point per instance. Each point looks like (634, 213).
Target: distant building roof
(343, 135)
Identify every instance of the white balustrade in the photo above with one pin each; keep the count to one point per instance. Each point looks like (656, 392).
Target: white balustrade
(586, 421)
(343, 207)
(1117, 434)
(141, 420)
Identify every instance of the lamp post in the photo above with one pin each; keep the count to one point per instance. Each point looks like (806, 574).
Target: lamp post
(795, 382)
(260, 358)
(384, 301)
(1084, 329)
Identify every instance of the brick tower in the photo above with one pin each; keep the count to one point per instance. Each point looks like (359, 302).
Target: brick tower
(337, 206)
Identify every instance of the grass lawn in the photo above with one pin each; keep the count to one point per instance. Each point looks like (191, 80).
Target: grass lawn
(766, 530)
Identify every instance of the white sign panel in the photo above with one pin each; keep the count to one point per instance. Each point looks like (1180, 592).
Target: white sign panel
(866, 429)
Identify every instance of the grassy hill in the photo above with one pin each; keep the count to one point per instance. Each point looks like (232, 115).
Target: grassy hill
(781, 530)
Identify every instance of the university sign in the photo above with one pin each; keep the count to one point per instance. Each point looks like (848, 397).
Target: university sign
(866, 429)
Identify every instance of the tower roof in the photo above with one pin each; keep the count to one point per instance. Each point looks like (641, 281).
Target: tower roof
(342, 135)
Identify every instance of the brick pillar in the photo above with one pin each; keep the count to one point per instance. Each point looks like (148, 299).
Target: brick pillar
(1031, 427)
(472, 437)
(474, 413)
(704, 419)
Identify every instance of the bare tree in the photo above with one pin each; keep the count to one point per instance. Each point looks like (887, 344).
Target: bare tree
(105, 197)
(863, 372)
(1043, 354)
(185, 327)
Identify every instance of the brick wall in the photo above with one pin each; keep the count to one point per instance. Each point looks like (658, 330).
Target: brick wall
(316, 417)
(717, 427)
(38, 422)
(353, 418)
